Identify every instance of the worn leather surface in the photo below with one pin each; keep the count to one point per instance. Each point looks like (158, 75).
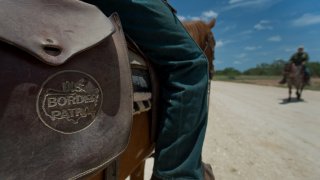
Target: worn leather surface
(62, 117)
(64, 27)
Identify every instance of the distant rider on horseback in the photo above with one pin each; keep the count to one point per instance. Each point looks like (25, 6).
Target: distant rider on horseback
(299, 58)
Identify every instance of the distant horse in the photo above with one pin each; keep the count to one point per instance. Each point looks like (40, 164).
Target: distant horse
(295, 78)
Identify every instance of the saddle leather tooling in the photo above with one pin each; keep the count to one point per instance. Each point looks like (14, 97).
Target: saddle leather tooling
(65, 89)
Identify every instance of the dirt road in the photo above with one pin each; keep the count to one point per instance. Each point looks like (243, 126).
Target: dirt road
(254, 135)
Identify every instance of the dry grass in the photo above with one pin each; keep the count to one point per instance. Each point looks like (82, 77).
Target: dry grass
(265, 81)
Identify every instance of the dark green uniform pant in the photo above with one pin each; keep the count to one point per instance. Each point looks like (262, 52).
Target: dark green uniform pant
(183, 72)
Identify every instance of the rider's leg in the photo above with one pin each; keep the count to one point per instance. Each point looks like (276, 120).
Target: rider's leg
(283, 80)
(183, 71)
(306, 75)
(286, 70)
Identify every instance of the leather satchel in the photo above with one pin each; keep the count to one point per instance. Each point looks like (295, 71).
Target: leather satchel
(65, 89)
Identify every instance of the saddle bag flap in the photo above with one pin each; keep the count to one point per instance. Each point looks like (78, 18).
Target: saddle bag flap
(69, 114)
(53, 31)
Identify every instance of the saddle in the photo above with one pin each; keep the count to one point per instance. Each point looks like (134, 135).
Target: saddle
(66, 89)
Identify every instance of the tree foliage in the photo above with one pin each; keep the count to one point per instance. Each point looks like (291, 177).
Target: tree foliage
(314, 68)
(265, 69)
(228, 72)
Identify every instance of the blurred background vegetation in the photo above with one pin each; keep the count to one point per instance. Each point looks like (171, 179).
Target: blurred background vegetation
(265, 69)
(266, 74)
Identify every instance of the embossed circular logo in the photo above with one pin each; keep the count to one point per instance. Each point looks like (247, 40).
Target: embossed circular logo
(69, 101)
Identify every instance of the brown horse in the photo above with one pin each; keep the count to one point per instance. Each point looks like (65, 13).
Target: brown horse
(202, 34)
(141, 145)
(295, 78)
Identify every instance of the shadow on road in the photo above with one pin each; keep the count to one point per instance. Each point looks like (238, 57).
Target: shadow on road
(293, 100)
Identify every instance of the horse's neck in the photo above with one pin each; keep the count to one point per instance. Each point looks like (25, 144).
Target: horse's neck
(296, 71)
(193, 30)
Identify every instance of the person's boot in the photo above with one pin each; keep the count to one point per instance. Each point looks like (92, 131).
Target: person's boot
(283, 80)
(307, 79)
(307, 82)
(153, 177)
(207, 171)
